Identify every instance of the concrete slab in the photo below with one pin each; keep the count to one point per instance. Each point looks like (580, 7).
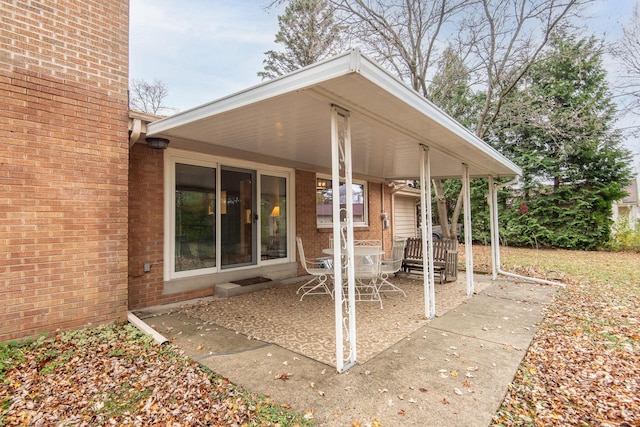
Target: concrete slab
(454, 371)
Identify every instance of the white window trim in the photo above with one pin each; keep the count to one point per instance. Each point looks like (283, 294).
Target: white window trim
(173, 156)
(365, 211)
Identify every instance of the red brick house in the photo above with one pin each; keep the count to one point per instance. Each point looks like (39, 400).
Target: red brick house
(98, 216)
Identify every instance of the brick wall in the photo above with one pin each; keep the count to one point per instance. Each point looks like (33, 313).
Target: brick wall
(63, 164)
(146, 231)
(315, 239)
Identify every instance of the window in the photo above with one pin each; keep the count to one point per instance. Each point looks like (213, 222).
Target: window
(273, 214)
(324, 202)
(195, 217)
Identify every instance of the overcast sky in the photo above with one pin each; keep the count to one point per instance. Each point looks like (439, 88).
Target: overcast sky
(206, 49)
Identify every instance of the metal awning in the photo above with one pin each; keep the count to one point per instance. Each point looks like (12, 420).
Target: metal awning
(286, 121)
(348, 116)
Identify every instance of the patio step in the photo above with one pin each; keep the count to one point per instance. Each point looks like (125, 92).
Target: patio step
(226, 290)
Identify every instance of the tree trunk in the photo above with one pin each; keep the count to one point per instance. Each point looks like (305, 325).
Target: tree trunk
(441, 203)
(455, 216)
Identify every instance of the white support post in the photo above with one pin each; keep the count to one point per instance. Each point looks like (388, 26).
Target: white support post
(468, 241)
(493, 228)
(427, 232)
(345, 316)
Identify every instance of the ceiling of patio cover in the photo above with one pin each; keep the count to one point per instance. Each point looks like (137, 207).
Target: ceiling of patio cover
(286, 121)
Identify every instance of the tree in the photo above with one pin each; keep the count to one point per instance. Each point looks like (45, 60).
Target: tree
(450, 89)
(148, 97)
(498, 40)
(574, 165)
(628, 50)
(307, 32)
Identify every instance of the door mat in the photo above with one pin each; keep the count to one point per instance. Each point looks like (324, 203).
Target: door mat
(251, 281)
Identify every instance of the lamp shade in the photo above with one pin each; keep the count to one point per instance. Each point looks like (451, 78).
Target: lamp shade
(276, 211)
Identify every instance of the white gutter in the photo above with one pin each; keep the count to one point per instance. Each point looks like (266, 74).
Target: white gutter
(495, 238)
(135, 321)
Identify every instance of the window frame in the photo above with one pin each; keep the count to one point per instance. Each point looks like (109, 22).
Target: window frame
(365, 203)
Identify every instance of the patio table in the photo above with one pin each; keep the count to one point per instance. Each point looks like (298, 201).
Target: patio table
(367, 271)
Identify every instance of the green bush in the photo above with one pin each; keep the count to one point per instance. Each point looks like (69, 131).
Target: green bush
(624, 237)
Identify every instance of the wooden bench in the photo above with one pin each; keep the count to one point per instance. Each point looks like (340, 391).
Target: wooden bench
(445, 258)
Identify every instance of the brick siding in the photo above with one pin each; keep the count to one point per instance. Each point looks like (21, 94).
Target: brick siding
(315, 239)
(63, 164)
(146, 231)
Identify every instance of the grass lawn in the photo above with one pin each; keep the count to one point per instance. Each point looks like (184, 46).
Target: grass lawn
(583, 366)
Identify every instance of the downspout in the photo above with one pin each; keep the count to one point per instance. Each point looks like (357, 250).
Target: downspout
(136, 129)
(382, 214)
(394, 190)
(495, 238)
(143, 327)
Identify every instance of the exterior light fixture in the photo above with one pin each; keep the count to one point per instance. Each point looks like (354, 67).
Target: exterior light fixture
(157, 143)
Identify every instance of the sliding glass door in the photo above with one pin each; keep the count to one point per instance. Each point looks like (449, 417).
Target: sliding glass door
(224, 214)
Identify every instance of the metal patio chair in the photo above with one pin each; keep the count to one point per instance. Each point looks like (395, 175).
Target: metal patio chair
(318, 285)
(392, 266)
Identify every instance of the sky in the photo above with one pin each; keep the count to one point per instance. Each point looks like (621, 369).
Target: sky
(207, 49)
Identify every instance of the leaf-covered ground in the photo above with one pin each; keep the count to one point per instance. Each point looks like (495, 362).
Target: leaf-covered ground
(113, 375)
(583, 366)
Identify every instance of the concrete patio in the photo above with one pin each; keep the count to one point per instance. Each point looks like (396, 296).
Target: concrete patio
(451, 370)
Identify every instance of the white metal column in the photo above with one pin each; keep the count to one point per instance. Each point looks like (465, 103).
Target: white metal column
(427, 232)
(345, 312)
(493, 227)
(468, 241)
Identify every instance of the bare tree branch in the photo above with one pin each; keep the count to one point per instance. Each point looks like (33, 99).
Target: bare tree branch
(148, 97)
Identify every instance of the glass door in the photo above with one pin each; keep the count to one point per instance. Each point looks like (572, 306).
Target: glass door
(238, 217)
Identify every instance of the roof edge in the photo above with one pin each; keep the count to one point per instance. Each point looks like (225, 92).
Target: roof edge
(336, 66)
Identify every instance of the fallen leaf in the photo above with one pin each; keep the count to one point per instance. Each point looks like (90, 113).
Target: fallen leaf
(308, 415)
(283, 376)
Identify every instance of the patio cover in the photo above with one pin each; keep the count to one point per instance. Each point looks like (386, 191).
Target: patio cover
(290, 116)
(391, 132)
